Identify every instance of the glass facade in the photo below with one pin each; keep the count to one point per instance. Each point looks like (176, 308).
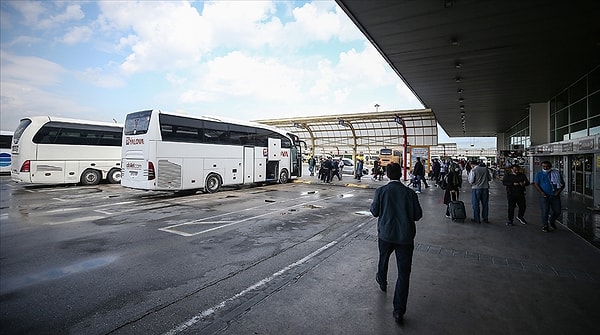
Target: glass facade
(575, 112)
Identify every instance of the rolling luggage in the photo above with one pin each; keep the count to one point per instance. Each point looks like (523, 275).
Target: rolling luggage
(457, 209)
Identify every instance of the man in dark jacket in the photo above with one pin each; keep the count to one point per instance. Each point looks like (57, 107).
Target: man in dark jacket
(397, 208)
(419, 173)
(515, 182)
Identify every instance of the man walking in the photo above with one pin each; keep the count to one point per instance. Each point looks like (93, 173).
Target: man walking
(480, 178)
(515, 182)
(397, 208)
(549, 182)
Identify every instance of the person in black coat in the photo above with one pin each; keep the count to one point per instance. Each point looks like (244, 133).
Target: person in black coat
(396, 208)
(515, 182)
(453, 182)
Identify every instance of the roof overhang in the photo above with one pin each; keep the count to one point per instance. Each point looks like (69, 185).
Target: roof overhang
(492, 58)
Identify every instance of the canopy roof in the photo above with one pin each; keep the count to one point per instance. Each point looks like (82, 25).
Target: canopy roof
(363, 133)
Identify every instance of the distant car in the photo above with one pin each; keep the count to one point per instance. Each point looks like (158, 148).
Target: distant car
(349, 166)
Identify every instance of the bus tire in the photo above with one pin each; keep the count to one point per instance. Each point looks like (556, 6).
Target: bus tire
(90, 177)
(284, 177)
(114, 176)
(213, 183)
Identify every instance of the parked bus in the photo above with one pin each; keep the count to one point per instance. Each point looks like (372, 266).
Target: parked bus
(52, 150)
(389, 156)
(170, 152)
(5, 143)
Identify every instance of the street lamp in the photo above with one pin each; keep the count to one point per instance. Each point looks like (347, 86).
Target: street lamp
(376, 108)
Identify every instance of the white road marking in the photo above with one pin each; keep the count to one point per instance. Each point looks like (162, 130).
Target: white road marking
(171, 229)
(86, 218)
(200, 316)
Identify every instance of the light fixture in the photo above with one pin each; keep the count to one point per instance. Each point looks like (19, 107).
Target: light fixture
(461, 100)
(458, 79)
(462, 107)
(376, 107)
(454, 41)
(459, 91)
(457, 64)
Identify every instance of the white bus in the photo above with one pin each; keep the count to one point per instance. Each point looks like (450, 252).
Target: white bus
(5, 143)
(51, 150)
(170, 152)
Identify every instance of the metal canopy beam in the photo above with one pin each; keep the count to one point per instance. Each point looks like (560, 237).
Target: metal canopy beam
(362, 133)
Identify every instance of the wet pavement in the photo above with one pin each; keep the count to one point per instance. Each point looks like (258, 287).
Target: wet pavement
(467, 278)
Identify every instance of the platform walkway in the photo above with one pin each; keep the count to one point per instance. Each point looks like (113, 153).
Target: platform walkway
(467, 278)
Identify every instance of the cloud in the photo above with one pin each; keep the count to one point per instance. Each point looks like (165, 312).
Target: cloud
(34, 71)
(45, 15)
(77, 34)
(160, 35)
(239, 75)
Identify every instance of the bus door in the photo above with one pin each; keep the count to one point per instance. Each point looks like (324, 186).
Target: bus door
(273, 159)
(248, 165)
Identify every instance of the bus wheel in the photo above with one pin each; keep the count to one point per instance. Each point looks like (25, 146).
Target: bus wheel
(213, 183)
(114, 176)
(90, 177)
(283, 176)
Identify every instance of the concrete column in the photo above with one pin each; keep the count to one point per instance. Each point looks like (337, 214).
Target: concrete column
(500, 141)
(539, 123)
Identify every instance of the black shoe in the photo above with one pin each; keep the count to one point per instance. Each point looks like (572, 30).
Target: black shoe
(545, 229)
(509, 223)
(553, 225)
(486, 221)
(382, 284)
(399, 319)
(475, 221)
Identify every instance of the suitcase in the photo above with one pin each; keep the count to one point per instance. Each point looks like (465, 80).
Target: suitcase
(457, 209)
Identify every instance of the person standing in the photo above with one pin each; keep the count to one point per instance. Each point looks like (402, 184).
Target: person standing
(419, 173)
(435, 167)
(453, 185)
(515, 182)
(480, 178)
(397, 208)
(359, 169)
(311, 165)
(549, 182)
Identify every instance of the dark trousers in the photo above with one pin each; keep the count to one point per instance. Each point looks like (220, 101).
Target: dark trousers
(551, 209)
(515, 200)
(404, 253)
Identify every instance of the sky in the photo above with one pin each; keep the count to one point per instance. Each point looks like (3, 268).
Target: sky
(247, 60)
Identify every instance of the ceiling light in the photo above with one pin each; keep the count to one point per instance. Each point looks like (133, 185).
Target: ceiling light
(460, 90)
(461, 100)
(458, 79)
(454, 41)
(462, 107)
(457, 65)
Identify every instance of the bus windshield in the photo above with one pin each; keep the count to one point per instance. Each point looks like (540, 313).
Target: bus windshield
(137, 123)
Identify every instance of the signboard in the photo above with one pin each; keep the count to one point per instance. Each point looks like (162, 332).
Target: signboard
(421, 152)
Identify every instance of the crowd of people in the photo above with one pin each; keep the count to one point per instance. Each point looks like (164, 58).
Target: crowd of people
(447, 174)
